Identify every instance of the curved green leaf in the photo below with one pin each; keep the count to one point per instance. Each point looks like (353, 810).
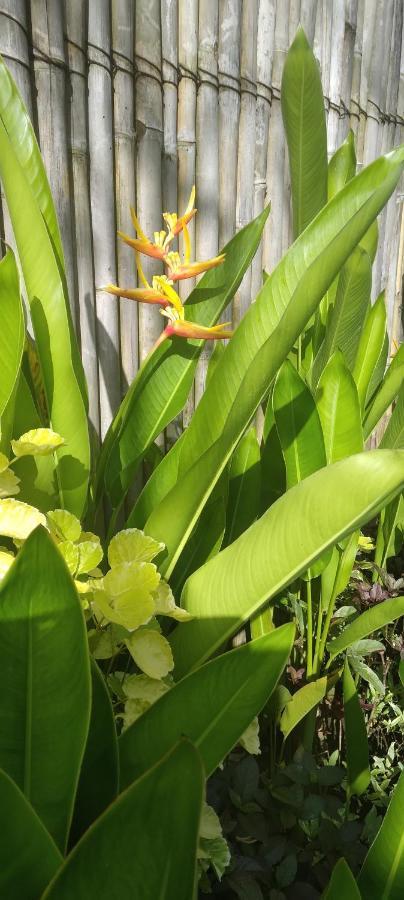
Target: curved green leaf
(262, 341)
(98, 782)
(12, 336)
(298, 425)
(356, 738)
(309, 518)
(44, 672)
(145, 844)
(342, 885)
(28, 856)
(37, 473)
(379, 369)
(342, 166)
(244, 487)
(162, 385)
(345, 321)
(338, 407)
(212, 706)
(368, 622)
(160, 483)
(370, 347)
(301, 703)
(207, 538)
(56, 345)
(386, 393)
(304, 120)
(382, 873)
(394, 434)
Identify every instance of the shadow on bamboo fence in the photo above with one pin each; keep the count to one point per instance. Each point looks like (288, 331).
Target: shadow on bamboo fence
(135, 100)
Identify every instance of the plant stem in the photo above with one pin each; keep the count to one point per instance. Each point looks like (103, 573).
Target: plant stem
(309, 660)
(330, 610)
(299, 354)
(318, 637)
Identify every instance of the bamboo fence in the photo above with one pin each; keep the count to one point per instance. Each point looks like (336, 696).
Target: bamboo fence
(134, 101)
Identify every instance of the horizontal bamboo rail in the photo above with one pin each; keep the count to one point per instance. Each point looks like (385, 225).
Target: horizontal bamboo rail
(133, 101)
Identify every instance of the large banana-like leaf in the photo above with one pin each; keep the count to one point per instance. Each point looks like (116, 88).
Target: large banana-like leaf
(369, 348)
(304, 120)
(382, 873)
(342, 166)
(162, 385)
(261, 343)
(212, 706)
(160, 483)
(98, 783)
(145, 844)
(298, 425)
(345, 321)
(394, 435)
(386, 393)
(356, 738)
(56, 344)
(338, 406)
(44, 672)
(309, 518)
(12, 333)
(244, 487)
(207, 538)
(28, 856)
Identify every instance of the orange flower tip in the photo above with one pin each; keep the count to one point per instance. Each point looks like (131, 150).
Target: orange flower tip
(142, 246)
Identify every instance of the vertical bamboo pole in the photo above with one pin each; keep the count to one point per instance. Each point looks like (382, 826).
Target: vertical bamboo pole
(207, 153)
(392, 268)
(367, 45)
(246, 141)
(229, 113)
(186, 125)
(169, 38)
(265, 47)
(14, 49)
(294, 18)
(272, 249)
(308, 15)
(125, 188)
(149, 125)
(355, 116)
(351, 12)
(47, 21)
(100, 117)
(336, 74)
(76, 28)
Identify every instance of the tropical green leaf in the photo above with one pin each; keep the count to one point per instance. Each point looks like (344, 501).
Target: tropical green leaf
(296, 530)
(98, 782)
(260, 344)
(357, 749)
(370, 347)
(342, 885)
(162, 385)
(207, 537)
(379, 369)
(56, 344)
(273, 469)
(37, 474)
(304, 120)
(394, 435)
(342, 166)
(298, 425)
(28, 856)
(338, 407)
(12, 335)
(244, 487)
(345, 321)
(145, 844)
(301, 703)
(161, 481)
(368, 622)
(382, 873)
(230, 691)
(386, 393)
(44, 672)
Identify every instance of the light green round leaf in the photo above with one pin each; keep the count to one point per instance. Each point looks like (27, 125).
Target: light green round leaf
(151, 652)
(6, 560)
(70, 555)
(38, 442)
(132, 545)
(9, 483)
(90, 554)
(18, 519)
(250, 739)
(165, 604)
(141, 692)
(210, 827)
(4, 462)
(126, 595)
(64, 524)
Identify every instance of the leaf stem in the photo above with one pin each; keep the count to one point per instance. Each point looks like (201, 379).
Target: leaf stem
(330, 609)
(309, 660)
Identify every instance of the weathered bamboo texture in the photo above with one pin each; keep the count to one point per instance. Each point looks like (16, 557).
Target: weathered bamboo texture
(134, 102)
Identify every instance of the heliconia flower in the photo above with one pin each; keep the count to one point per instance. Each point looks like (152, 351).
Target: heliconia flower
(143, 246)
(177, 223)
(161, 283)
(141, 295)
(177, 271)
(179, 326)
